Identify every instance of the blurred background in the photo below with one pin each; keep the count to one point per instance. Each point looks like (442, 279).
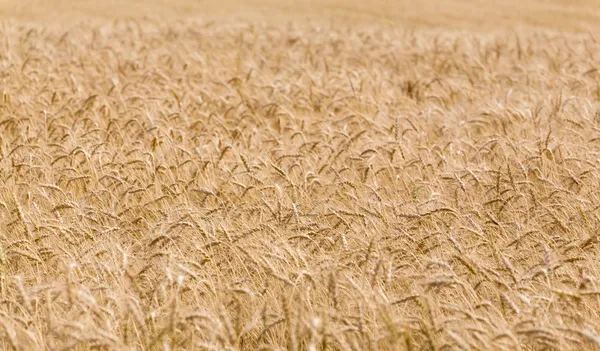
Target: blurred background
(484, 15)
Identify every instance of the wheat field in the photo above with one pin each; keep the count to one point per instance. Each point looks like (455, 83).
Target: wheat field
(323, 175)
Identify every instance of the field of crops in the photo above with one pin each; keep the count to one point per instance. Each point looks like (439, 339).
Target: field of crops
(364, 179)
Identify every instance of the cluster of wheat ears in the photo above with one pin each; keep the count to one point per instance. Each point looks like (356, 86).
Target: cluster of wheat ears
(221, 186)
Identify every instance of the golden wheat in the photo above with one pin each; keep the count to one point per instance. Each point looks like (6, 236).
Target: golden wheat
(192, 185)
